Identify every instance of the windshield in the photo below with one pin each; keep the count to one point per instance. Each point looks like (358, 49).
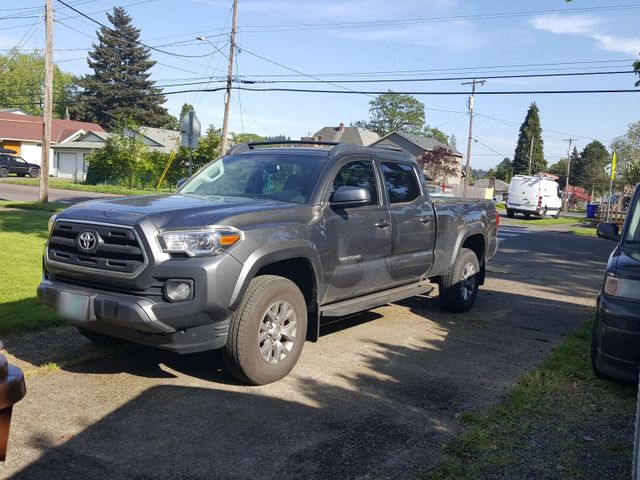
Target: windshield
(633, 231)
(283, 177)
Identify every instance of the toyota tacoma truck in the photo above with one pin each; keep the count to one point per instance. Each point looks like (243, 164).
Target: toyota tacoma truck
(260, 247)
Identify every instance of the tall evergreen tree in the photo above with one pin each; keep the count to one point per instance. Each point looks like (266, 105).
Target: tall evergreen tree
(530, 130)
(119, 87)
(588, 172)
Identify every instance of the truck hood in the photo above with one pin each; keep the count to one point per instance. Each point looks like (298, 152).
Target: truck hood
(171, 211)
(627, 261)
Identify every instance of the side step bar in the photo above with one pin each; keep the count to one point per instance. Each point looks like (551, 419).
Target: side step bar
(367, 302)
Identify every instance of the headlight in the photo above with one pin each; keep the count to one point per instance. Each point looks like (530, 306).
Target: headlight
(52, 220)
(199, 243)
(622, 287)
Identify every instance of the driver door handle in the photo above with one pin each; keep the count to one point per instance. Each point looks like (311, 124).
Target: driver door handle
(382, 224)
(425, 219)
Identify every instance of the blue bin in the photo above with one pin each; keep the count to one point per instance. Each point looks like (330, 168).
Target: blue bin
(592, 210)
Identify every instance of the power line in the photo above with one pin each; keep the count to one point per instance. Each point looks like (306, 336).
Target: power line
(127, 38)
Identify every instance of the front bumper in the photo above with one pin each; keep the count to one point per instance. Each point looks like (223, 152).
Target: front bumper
(618, 337)
(183, 327)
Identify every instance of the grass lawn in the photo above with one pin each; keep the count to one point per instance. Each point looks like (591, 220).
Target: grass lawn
(44, 207)
(548, 221)
(22, 237)
(69, 185)
(584, 231)
(559, 421)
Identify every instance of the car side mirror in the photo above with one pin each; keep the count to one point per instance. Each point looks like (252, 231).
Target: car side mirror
(180, 183)
(608, 231)
(347, 196)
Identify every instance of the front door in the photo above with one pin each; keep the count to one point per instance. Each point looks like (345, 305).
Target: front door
(358, 238)
(412, 223)
(19, 166)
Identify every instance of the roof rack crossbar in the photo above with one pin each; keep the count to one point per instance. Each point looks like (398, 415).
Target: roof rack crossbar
(291, 142)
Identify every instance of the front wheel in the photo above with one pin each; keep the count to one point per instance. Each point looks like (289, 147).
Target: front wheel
(267, 331)
(34, 173)
(595, 353)
(459, 288)
(543, 214)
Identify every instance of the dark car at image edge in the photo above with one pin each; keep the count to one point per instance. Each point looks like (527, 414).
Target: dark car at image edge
(10, 163)
(615, 343)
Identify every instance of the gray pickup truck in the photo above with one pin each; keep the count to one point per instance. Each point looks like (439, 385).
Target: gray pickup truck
(258, 248)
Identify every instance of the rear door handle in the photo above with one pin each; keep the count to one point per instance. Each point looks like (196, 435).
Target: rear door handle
(425, 219)
(382, 224)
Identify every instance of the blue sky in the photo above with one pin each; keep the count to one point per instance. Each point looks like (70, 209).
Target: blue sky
(410, 39)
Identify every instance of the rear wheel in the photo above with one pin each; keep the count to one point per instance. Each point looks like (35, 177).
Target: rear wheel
(557, 215)
(459, 288)
(543, 214)
(267, 331)
(4, 171)
(527, 215)
(510, 213)
(34, 173)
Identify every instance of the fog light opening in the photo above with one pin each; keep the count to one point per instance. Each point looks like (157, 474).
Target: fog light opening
(178, 290)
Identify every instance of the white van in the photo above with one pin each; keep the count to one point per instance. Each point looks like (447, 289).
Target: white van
(534, 195)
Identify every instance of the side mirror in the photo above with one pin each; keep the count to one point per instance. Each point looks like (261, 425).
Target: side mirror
(180, 183)
(346, 196)
(608, 231)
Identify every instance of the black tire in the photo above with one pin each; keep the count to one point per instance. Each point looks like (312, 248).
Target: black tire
(527, 215)
(99, 338)
(543, 214)
(4, 171)
(34, 173)
(510, 213)
(557, 215)
(242, 353)
(595, 340)
(457, 294)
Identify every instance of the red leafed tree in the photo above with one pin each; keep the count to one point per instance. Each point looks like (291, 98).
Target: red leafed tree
(577, 194)
(439, 163)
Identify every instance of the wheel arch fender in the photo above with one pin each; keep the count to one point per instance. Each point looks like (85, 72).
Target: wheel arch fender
(272, 254)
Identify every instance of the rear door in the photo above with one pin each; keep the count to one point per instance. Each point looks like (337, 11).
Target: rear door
(358, 238)
(413, 226)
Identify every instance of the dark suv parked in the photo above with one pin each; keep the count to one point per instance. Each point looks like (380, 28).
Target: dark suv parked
(615, 348)
(18, 165)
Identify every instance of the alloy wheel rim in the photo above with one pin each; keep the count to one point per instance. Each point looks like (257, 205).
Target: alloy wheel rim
(468, 282)
(277, 333)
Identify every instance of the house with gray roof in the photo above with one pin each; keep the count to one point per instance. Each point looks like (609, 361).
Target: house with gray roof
(355, 135)
(69, 158)
(416, 145)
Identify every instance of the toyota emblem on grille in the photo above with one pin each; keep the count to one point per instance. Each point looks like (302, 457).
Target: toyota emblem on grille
(87, 241)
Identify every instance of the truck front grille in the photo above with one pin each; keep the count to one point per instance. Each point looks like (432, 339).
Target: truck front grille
(117, 249)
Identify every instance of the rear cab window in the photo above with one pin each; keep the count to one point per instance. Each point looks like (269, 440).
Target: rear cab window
(400, 182)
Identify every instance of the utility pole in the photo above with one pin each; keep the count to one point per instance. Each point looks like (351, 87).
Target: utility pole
(468, 166)
(227, 96)
(566, 183)
(43, 193)
(531, 153)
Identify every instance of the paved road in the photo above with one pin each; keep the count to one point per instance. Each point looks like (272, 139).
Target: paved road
(375, 398)
(26, 193)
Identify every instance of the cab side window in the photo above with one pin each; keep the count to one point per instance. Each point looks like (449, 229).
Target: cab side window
(400, 181)
(358, 174)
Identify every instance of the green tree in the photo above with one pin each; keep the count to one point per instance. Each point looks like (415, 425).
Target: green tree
(636, 68)
(119, 161)
(186, 108)
(627, 148)
(22, 84)
(560, 169)
(119, 87)
(530, 130)
(504, 170)
(437, 134)
(392, 112)
(588, 172)
(237, 138)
